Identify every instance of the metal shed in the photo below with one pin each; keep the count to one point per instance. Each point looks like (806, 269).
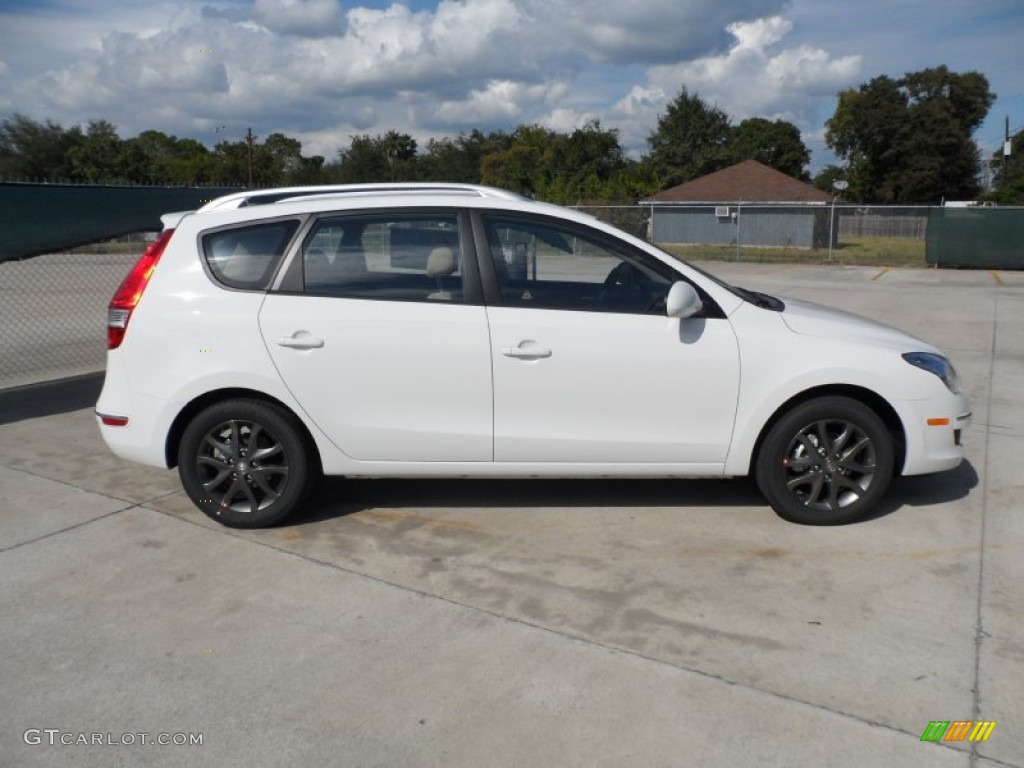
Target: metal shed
(748, 202)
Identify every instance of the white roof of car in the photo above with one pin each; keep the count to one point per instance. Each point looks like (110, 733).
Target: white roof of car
(290, 194)
(256, 203)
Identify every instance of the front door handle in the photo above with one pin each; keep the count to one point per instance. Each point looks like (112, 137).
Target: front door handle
(300, 342)
(531, 352)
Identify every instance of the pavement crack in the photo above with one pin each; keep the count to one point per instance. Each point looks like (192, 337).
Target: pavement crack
(979, 620)
(996, 761)
(81, 524)
(87, 490)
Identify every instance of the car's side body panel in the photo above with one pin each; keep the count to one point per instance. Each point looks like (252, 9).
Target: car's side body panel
(395, 381)
(617, 388)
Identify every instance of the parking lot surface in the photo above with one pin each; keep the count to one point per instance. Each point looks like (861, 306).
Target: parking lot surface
(472, 623)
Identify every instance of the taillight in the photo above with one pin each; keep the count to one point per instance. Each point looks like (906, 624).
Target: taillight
(128, 295)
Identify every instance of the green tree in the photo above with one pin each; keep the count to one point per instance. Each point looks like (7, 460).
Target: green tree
(691, 140)
(363, 161)
(230, 166)
(521, 161)
(100, 157)
(170, 160)
(827, 176)
(276, 161)
(516, 168)
(457, 160)
(567, 168)
(36, 151)
(909, 140)
(400, 153)
(279, 160)
(391, 157)
(160, 150)
(579, 166)
(775, 143)
(1008, 173)
(311, 170)
(29, 149)
(278, 157)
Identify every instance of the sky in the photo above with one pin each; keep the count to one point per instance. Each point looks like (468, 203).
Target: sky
(322, 71)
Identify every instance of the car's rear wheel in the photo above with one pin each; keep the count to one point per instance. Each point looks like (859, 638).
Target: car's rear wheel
(828, 461)
(244, 463)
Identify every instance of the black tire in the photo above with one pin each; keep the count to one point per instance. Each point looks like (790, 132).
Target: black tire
(826, 462)
(220, 475)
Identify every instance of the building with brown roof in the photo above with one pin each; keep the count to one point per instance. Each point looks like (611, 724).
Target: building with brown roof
(748, 202)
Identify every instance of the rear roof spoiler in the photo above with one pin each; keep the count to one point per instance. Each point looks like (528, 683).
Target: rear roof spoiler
(171, 220)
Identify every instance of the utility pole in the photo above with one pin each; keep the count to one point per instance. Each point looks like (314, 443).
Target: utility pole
(249, 142)
(837, 189)
(1006, 150)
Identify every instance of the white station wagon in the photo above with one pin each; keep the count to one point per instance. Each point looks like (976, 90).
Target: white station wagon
(446, 330)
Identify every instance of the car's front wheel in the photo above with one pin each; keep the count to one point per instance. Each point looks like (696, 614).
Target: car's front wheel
(828, 461)
(244, 463)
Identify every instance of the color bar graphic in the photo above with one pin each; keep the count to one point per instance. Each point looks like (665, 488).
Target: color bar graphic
(958, 730)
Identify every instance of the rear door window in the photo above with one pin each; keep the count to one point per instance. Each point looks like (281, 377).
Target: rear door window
(246, 257)
(400, 256)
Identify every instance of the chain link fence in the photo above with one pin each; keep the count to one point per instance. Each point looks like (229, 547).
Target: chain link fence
(772, 232)
(53, 310)
(634, 219)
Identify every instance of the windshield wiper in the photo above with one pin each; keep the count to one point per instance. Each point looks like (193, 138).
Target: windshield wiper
(762, 300)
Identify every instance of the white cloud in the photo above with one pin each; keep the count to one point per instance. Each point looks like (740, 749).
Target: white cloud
(325, 142)
(753, 79)
(756, 76)
(760, 33)
(566, 120)
(642, 33)
(398, 50)
(303, 17)
(812, 70)
(131, 72)
(500, 101)
(641, 100)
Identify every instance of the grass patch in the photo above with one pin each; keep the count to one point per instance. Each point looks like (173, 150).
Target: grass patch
(865, 251)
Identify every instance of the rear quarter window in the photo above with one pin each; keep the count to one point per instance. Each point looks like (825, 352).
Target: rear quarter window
(246, 257)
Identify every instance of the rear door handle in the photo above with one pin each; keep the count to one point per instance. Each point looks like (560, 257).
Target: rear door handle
(526, 353)
(302, 342)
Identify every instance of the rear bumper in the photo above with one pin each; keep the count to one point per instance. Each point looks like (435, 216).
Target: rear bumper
(142, 437)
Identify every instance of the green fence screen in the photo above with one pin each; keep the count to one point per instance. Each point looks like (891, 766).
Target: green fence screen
(992, 238)
(40, 218)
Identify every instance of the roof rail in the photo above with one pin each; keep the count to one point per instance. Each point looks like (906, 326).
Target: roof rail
(287, 194)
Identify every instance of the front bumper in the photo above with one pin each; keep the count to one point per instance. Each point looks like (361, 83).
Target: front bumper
(934, 433)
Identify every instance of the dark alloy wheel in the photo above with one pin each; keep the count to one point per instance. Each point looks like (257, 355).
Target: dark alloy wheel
(244, 463)
(826, 462)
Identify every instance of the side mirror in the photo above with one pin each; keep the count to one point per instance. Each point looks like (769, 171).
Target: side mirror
(682, 301)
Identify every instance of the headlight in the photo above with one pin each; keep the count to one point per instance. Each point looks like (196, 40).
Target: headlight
(938, 365)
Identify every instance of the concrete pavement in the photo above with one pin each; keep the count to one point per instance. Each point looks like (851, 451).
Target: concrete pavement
(477, 623)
